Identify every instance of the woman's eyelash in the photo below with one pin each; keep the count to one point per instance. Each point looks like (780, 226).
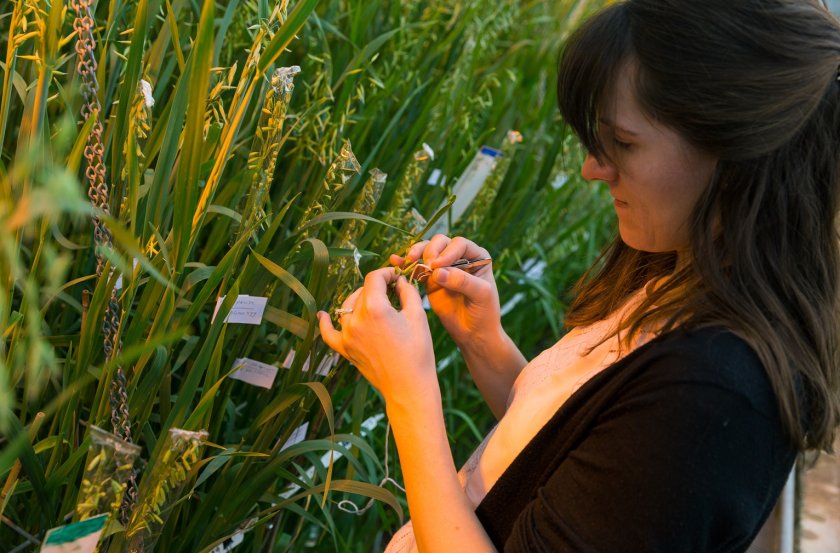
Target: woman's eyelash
(621, 143)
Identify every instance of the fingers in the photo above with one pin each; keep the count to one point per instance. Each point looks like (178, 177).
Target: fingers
(415, 252)
(331, 336)
(351, 300)
(409, 298)
(374, 296)
(453, 250)
(433, 249)
(374, 299)
(376, 282)
(440, 251)
(463, 283)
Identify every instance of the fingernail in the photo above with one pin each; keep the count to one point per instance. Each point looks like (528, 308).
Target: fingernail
(441, 275)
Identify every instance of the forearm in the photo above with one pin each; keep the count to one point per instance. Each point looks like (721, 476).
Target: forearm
(494, 363)
(442, 516)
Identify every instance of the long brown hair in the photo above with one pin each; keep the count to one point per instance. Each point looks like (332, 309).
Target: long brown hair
(756, 83)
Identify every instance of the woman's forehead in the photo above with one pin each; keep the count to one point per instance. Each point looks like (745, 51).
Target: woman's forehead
(619, 107)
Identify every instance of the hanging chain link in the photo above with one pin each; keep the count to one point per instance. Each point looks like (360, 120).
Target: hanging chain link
(98, 194)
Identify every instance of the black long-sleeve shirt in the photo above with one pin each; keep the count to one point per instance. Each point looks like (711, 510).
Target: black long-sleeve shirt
(676, 447)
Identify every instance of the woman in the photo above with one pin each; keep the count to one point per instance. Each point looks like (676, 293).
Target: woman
(704, 345)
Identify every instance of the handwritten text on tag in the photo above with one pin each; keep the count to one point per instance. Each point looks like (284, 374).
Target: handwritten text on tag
(246, 310)
(254, 372)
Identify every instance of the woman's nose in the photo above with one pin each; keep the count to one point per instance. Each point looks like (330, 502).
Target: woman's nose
(595, 169)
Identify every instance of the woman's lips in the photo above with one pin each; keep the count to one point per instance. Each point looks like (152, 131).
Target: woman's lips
(619, 203)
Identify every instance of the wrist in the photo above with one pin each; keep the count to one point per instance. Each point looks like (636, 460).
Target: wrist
(490, 342)
(418, 414)
(415, 400)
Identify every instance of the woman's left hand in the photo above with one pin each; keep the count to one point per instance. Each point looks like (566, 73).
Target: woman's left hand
(392, 349)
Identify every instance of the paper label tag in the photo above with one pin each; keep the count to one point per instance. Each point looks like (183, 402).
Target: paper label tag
(229, 543)
(560, 181)
(327, 363)
(119, 283)
(367, 426)
(247, 310)
(79, 537)
(466, 188)
(254, 372)
(435, 178)
(297, 436)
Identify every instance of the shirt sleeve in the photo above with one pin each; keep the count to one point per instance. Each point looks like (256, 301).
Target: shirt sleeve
(675, 464)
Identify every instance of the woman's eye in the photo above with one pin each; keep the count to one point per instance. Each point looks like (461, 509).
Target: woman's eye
(621, 144)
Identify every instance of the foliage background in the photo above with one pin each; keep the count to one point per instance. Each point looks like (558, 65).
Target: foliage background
(385, 76)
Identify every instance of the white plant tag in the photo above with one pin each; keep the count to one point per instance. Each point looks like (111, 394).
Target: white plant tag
(434, 177)
(79, 537)
(254, 372)
(247, 310)
(367, 426)
(229, 543)
(119, 283)
(327, 363)
(560, 181)
(467, 188)
(297, 436)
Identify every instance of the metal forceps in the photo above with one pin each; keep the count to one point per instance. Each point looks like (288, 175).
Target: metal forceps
(422, 272)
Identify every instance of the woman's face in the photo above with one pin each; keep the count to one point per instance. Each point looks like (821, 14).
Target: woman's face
(654, 175)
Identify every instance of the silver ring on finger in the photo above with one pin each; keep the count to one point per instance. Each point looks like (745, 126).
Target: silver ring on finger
(343, 311)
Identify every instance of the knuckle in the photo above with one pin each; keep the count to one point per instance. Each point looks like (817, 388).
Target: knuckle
(373, 276)
(459, 242)
(376, 311)
(483, 287)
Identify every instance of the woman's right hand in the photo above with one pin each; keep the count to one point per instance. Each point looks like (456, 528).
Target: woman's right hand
(467, 304)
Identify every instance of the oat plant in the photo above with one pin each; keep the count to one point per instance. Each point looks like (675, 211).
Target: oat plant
(223, 173)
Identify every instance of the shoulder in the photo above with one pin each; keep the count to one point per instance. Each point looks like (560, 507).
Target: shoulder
(709, 345)
(707, 357)
(677, 448)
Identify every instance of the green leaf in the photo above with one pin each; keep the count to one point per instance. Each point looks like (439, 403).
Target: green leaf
(226, 211)
(297, 326)
(326, 403)
(187, 179)
(289, 280)
(340, 215)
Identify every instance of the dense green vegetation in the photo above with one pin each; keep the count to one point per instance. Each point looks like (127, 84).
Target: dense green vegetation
(225, 179)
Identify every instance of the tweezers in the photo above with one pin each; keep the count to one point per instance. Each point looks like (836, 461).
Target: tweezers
(422, 272)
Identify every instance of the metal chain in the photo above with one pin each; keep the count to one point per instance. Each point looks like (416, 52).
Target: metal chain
(98, 194)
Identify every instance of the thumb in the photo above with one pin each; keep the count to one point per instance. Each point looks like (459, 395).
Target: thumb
(331, 336)
(461, 282)
(409, 297)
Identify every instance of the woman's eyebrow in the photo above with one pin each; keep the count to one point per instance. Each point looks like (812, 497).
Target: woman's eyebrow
(624, 130)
